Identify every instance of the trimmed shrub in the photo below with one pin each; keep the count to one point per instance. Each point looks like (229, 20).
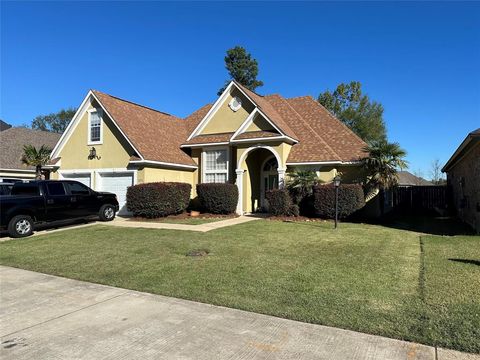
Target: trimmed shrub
(350, 199)
(158, 199)
(217, 198)
(280, 203)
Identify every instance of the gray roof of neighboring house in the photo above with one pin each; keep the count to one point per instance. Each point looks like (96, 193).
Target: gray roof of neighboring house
(406, 178)
(465, 146)
(4, 125)
(12, 141)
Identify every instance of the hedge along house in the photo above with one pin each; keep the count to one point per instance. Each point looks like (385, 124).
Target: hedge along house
(243, 138)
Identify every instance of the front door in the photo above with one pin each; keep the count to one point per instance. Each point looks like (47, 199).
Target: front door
(269, 180)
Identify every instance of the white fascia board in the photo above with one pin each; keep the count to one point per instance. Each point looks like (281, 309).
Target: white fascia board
(272, 138)
(18, 170)
(324, 163)
(211, 112)
(161, 163)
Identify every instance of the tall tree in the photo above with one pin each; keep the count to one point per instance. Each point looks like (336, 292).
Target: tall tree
(356, 110)
(436, 172)
(242, 68)
(36, 157)
(54, 122)
(383, 162)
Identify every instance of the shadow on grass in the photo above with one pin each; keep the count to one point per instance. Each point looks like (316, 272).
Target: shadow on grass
(467, 261)
(428, 224)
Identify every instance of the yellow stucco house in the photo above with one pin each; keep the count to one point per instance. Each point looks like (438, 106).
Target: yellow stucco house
(243, 138)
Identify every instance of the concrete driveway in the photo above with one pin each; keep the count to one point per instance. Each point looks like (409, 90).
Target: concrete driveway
(48, 317)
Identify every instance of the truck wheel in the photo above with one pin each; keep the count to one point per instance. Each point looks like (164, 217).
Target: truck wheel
(107, 212)
(20, 226)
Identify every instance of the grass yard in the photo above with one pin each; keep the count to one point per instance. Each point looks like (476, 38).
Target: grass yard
(367, 278)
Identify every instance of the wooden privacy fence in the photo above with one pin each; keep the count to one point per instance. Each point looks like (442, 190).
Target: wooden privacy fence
(419, 198)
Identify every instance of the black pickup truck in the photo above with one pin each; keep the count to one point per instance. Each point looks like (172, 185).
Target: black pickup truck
(47, 201)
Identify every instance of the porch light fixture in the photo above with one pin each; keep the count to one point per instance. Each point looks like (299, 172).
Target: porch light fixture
(93, 154)
(336, 182)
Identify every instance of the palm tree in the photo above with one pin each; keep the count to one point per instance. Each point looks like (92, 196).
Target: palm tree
(38, 158)
(383, 162)
(300, 184)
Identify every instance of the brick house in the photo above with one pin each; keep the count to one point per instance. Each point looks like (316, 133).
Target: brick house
(463, 178)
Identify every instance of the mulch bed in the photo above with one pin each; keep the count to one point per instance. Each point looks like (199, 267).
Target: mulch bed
(295, 219)
(185, 215)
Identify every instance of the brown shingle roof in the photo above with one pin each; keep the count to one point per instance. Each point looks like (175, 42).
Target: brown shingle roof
(256, 134)
(342, 141)
(209, 138)
(311, 146)
(406, 178)
(192, 120)
(156, 135)
(12, 141)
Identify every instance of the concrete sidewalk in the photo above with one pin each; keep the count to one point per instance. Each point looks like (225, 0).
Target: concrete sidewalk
(125, 222)
(46, 317)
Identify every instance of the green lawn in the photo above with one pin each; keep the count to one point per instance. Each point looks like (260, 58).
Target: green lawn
(367, 278)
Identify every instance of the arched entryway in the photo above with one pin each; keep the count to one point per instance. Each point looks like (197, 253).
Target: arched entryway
(259, 169)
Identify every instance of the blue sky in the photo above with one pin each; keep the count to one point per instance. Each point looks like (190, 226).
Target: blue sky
(420, 60)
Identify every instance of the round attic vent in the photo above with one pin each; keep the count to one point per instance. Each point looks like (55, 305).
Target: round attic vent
(235, 103)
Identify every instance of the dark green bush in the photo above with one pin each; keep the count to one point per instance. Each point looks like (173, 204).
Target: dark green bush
(280, 203)
(217, 198)
(350, 199)
(158, 199)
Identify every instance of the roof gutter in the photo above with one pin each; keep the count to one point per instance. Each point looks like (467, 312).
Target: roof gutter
(161, 163)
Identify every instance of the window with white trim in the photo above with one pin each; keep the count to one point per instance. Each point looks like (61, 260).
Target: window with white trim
(215, 166)
(94, 127)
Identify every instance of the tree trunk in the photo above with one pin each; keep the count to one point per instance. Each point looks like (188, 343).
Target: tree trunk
(38, 172)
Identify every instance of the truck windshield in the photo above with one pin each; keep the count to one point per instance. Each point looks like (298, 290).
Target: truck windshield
(25, 189)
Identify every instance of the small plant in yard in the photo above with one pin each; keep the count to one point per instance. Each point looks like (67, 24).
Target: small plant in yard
(280, 203)
(158, 199)
(350, 199)
(218, 198)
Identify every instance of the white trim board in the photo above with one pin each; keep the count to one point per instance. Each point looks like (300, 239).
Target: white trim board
(324, 163)
(173, 165)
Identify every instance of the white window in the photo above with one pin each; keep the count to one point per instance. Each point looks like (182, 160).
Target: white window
(215, 166)
(94, 127)
(235, 104)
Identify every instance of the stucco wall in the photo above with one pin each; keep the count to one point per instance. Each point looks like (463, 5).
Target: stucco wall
(259, 123)
(114, 152)
(466, 198)
(226, 120)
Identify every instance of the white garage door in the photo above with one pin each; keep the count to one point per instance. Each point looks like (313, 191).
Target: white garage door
(83, 178)
(116, 183)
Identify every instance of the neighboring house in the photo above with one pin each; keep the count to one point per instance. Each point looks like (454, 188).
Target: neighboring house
(463, 178)
(12, 142)
(406, 178)
(243, 138)
(4, 125)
